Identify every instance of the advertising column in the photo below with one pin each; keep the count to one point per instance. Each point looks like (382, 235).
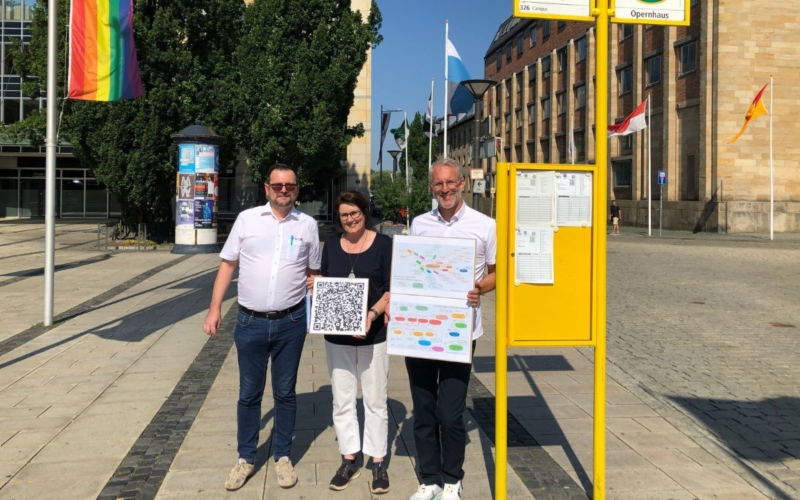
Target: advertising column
(196, 190)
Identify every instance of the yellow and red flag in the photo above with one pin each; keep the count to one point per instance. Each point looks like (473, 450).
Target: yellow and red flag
(755, 110)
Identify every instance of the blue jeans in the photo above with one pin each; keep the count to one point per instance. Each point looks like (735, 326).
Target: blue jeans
(258, 339)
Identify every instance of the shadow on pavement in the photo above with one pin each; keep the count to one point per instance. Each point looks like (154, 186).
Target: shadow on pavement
(767, 430)
(142, 323)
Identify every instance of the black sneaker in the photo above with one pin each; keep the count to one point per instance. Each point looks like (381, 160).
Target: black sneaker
(346, 473)
(380, 478)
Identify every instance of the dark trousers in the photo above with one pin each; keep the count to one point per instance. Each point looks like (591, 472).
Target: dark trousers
(439, 393)
(258, 340)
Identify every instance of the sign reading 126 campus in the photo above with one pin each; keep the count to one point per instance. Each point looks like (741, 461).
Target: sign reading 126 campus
(669, 12)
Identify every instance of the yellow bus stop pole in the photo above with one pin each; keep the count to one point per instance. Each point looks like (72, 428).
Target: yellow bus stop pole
(599, 281)
(501, 333)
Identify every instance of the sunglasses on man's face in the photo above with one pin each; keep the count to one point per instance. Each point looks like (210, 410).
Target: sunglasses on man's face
(290, 188)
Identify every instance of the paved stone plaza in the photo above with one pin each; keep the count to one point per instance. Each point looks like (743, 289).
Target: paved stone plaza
(126, 397)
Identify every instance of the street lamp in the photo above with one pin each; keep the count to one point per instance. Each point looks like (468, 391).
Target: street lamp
(394, 153)
(477, 88)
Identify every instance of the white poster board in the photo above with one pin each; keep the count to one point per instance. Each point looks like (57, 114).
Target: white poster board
(339, 306)
(430, 328)
(434, 267)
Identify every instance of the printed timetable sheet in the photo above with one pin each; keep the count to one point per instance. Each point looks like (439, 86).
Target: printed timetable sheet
(533, 255)
(535, 196)
(574, 199)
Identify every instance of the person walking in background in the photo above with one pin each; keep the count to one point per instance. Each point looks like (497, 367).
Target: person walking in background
(439, 388)
(359, 252)
(277, 248)
(616, 215)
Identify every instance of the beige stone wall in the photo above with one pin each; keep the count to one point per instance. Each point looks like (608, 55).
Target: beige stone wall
(751, 42)
(359, 153)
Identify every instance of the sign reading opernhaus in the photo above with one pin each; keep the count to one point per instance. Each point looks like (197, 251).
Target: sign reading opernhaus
(670, 12)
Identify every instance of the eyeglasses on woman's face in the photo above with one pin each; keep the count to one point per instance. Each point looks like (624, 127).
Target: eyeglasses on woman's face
(355, 215)
(290, 188)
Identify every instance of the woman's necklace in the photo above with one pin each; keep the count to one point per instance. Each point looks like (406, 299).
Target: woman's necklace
(352, 262)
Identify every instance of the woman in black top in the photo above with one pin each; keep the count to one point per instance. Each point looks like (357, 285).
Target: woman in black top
(359, 253)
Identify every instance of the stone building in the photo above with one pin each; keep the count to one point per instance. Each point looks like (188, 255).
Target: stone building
(700, 78)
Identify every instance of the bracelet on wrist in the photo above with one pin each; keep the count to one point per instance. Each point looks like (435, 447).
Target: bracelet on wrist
(374, 311)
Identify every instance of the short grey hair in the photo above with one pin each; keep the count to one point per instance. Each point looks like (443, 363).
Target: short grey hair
(446, 162)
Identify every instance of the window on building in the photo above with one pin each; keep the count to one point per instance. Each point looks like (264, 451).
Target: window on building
(580, 145)
(688, 58)
(561, 146)
(625, 77)
(545, 108)
(580, 97)
(626, 142)
(652, 68)
(545, 151)
(545, 29)
(625, 31)
(562, 59)
(581, 49)
(531, 113)
(693, 3)
(622, 173)
(27, 11)
(520, 38)
(518, 118)
(546, 67)
(533, 35)
(562, 24)
(508, 52)
(499, 58)
(561, 103)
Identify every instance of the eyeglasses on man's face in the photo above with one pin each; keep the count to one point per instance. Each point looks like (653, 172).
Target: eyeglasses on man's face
(290, 188)
(438, 186)
(355, 215)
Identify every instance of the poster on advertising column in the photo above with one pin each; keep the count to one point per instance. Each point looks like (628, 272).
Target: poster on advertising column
(186, 158)
(206, 160)
(204, 214)
(185, 216)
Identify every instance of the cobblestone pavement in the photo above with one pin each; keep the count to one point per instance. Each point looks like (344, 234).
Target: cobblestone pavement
(712, 334)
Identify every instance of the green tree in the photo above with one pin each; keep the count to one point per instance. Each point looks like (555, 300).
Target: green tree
(394, 196)
(299, 62)
(183, 49)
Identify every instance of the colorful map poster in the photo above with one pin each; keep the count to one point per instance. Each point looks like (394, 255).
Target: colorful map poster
(430, 327)
(438, 267)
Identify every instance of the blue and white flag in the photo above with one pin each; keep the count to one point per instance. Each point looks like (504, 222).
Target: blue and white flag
(458, 96)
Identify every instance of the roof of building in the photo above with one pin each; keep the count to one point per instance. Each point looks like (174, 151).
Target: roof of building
(506, 32)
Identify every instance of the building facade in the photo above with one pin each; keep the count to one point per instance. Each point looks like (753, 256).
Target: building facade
(700, 80)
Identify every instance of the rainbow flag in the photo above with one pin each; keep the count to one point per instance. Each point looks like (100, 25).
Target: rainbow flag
(102, 57)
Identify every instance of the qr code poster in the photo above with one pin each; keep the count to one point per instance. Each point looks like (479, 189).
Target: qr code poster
(339, 306)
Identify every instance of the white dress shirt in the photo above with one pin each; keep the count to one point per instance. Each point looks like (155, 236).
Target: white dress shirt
(273, 256)
(466, 223)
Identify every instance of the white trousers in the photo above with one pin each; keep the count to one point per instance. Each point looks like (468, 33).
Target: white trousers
(370, 363)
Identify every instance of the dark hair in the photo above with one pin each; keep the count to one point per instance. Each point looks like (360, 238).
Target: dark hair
(352, 198)
(279, 166)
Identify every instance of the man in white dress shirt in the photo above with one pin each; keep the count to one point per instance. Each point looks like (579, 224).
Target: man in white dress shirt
(276, 247)
(439, 388)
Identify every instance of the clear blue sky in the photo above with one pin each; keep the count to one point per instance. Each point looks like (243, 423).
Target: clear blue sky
(412, 53)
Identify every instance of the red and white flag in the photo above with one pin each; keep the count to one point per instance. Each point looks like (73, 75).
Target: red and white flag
(634, 122)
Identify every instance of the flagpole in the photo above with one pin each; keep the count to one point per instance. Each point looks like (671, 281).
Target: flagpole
(771, 176)
(649, 167)
(408, 185)
(50, 161)
(446, 38)
(430, 132)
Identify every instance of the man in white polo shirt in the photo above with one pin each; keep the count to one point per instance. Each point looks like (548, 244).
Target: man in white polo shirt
(439, 388)
(276, 247)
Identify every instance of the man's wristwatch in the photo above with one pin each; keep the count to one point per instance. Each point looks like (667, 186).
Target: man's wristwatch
(480, 292)
(374, 311)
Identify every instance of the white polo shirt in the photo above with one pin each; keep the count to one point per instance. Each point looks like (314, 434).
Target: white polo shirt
(273, 256)
(466, 223)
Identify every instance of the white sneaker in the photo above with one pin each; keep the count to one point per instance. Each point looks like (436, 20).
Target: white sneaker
(427, 492)
(452, 491)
